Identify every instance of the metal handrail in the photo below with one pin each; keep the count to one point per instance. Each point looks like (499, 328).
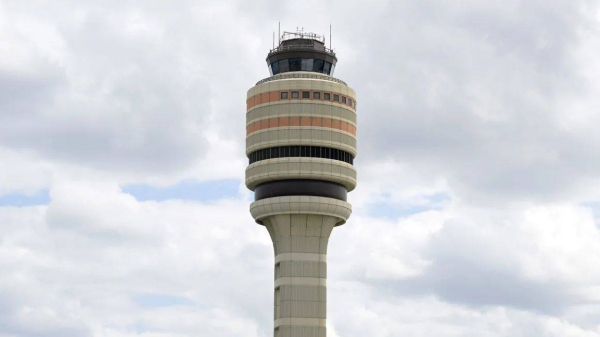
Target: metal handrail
(301, 47)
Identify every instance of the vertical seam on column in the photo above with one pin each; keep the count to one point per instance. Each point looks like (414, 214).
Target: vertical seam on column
(321, 238)
(291, 239)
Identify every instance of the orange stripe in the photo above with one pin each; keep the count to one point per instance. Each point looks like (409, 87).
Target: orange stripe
(300, 121)
(274, 96)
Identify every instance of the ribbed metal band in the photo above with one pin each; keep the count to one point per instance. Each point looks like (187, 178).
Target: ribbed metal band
(316, 188)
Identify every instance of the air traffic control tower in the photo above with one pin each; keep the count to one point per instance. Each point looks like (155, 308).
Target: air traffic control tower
(301, 144)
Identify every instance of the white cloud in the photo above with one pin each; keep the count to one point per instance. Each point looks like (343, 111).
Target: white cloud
(477, 150)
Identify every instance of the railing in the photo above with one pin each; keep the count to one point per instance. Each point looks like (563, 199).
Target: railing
(294, 74)
(300, 34)
(302, 47)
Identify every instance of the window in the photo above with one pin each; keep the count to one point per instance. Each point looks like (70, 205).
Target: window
(327, 68)
(300, 151)
(343, 99)
(336, 98)
(284, 95)
(295, 94)
(284, 66)
(275, 68)
(327, 96)
(316, 95)
(295, 64)
(318, 66)
(306, 94)
(307, 64)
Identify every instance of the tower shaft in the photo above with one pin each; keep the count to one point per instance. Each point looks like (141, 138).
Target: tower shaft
(300, 236)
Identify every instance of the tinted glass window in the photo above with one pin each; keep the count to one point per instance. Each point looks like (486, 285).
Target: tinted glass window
(332, 69)
(295, 94)
(275, 68)
(284, 66)
(306, 94)
(344, 100)
(336, 98)
(327, 96)
(327, 68)
(316, 95)
(318, 66)
(307, 64)
(284, 95)
(295, 64)
(301, 151)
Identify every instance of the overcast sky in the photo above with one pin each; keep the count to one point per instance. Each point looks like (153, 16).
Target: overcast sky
(122, 205)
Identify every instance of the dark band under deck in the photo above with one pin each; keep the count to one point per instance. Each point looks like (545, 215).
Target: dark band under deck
(315, 188)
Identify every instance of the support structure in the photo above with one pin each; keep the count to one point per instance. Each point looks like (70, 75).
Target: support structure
(301, 144)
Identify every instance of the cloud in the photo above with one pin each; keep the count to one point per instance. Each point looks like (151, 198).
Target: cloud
(474, 213)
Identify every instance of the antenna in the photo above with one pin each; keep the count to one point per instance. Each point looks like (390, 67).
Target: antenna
(273, 40)
(279, 33)
(330, 47)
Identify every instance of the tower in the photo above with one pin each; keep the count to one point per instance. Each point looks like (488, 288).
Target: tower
(301, 143)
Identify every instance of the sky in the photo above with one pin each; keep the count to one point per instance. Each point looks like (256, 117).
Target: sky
(123, 210)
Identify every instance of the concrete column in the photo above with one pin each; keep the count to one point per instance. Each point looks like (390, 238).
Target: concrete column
(300, 244)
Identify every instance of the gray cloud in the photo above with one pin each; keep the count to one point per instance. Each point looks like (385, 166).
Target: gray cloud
(488, 106)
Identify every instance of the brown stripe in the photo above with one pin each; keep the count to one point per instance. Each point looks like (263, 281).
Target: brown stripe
(300, 121)
(275, 96)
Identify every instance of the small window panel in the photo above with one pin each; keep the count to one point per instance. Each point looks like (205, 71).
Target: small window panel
(316, 95)
(295, 94)
(284, 95)
(306, 94)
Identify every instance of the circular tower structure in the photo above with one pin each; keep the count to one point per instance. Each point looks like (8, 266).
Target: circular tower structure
(301, 144)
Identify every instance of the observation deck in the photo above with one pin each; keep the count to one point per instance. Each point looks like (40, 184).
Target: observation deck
(301, 52)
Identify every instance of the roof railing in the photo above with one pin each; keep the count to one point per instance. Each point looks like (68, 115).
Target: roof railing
(302, 35)
(301, 47)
